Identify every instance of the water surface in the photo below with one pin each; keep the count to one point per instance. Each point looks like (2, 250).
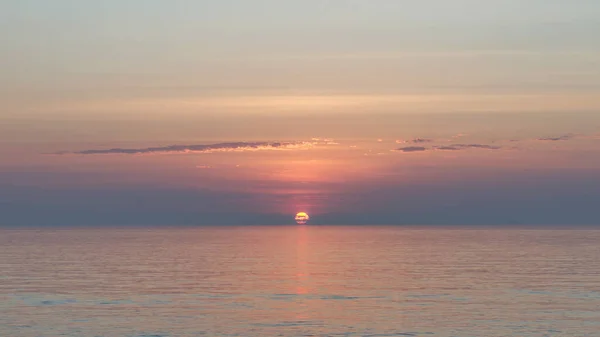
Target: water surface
(299, 281)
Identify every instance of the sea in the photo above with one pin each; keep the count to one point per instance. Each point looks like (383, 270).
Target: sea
(300, 281)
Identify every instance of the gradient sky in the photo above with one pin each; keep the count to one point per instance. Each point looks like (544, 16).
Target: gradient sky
(358, 112)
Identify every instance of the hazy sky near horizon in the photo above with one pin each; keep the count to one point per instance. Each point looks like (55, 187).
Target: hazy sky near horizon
(383, 111)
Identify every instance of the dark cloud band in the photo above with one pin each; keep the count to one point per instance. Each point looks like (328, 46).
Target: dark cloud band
(456, 147)
(412, 149)
(202, 148)
(556, 139)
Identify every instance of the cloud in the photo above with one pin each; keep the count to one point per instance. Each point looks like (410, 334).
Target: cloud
(205, 148)
(412, 149)
(559, 138)
(456, 147)
(326, 141)
(448, 148)
(421, 140)
(414, 141)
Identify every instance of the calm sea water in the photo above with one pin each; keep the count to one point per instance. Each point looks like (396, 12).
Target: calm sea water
(299, 281)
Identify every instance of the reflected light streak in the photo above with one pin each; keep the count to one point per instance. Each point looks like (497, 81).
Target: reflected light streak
(302, 274)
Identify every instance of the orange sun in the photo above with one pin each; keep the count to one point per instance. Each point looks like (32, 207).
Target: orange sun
(302, 218)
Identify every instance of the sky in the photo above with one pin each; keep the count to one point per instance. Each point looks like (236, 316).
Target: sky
(230, 112)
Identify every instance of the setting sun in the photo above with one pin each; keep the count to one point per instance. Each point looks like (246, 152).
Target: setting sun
(302, 218)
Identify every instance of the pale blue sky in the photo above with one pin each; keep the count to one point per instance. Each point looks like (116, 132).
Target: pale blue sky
(227, 43)
(70, 60)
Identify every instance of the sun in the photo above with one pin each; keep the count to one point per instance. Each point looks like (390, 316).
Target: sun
(302, 218)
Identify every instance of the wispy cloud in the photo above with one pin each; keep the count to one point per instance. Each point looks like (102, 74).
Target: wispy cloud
(414, 141)
(453, 147)
(494, 145)
(558, 138)
(412, 149)
(421, 140)
(206, 148)
(326, 141)
(456, 147)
